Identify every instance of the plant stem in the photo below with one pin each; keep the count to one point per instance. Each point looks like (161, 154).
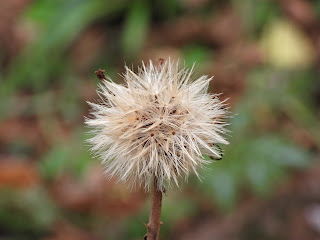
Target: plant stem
(153, 226)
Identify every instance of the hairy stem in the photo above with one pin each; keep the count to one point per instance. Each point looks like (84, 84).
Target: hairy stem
(153, 226)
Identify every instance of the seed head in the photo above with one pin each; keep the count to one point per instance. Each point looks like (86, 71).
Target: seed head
(156, 126)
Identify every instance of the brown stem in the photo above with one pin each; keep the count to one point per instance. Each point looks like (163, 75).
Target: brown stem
(153, 226)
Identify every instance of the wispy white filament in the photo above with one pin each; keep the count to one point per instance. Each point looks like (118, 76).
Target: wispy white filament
(158, 125)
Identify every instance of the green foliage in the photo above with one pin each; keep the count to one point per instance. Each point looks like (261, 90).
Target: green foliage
(65, 157)
(26, 214)
(41, 62)
(260, 155)
(256, 14)
(168, 8)
(256, 156)
(54, 162)
(184, 209)
(136, 27)
(262, 162)
(196, 54)
(316, 8)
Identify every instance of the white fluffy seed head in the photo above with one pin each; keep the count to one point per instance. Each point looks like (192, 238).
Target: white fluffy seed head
(156, 126)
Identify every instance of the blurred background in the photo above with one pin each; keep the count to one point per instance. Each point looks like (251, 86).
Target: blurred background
(265, 56)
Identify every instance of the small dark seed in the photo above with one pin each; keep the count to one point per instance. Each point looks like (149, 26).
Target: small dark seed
(214, 158)
(147, 125)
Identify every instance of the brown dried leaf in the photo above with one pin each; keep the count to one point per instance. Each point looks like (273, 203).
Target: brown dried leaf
(18, 174)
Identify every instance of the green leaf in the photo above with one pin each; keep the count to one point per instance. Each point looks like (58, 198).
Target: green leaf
(40, 62)
(263, 175)
(54, 162)
(136, 27)
(26, 212)
(224, 188)
(267, 159)
(274, 150)
(196, 54)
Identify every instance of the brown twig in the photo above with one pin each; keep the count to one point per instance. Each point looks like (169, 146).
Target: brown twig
(153, 226)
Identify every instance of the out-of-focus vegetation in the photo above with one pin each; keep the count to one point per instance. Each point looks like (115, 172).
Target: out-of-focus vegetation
(265, 56)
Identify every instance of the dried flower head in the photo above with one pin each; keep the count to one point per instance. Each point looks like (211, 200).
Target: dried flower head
(156, 126)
